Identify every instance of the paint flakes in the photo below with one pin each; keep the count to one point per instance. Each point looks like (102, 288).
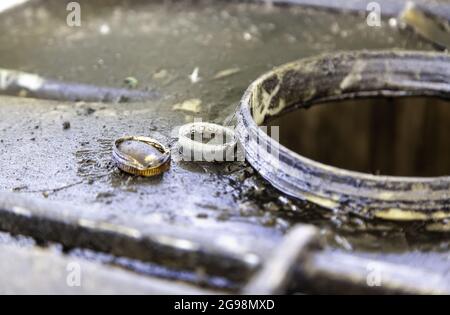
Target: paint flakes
(193, 105)
(226, 73)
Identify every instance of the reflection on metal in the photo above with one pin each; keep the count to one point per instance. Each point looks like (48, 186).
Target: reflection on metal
(296, 264)
(389, 7)
(300, 265)
(39, 271)
(141, 156)
(340, 76)
(278, 271)
(178, 248)
(182, 244)
(429, 27)
(23, 84)
(338, 273)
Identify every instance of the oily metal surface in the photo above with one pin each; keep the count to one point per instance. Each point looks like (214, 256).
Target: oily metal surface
(161, 45)
(44, 272)
(339, 76)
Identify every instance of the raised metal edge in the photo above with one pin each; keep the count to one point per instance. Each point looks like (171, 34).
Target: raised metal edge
(134, 237)
(340, 76)
(389, 8)
(43, 271)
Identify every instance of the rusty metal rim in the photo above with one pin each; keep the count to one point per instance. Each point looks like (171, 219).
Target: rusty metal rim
(340, 76)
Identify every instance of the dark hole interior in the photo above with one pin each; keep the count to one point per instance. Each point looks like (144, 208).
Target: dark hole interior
(385, 136)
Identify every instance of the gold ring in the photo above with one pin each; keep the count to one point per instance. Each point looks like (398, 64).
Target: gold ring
(142, 156)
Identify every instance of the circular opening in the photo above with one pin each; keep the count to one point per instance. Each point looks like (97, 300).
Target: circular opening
(383, 136)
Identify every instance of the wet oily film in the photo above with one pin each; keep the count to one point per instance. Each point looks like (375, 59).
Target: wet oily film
(194, 146)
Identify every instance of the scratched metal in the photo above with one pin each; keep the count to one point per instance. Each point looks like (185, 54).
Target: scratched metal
(161, 44)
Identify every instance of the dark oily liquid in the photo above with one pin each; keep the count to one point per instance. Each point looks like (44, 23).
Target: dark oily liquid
(400, 137)
(160, 43)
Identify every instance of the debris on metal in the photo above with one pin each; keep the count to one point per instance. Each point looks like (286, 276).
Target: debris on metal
(428, 26)
(193, 105)
(339, 76)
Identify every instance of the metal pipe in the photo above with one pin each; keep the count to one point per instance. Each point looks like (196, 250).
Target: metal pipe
(16, 83)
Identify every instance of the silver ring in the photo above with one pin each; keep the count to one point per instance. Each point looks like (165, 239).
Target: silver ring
(202, 141)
